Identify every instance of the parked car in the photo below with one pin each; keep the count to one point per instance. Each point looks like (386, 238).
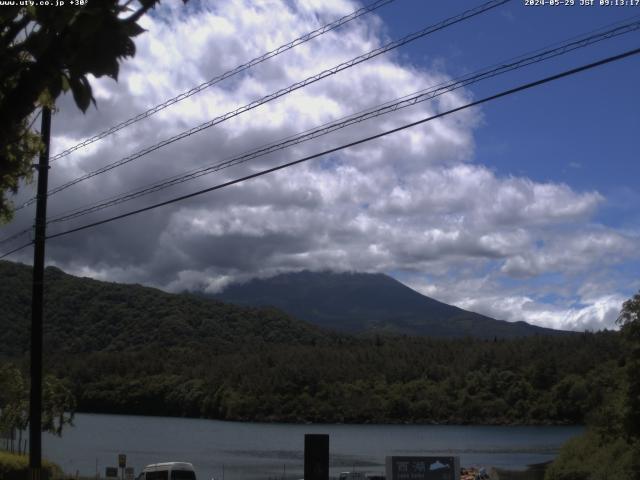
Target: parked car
(168, 471)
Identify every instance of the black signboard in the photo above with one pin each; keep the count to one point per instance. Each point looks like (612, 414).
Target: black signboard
(423, 468)
(316, 456)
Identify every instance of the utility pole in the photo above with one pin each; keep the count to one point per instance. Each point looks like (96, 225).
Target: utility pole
(35, 396)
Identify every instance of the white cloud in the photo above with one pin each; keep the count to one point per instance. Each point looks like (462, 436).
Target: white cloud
(586, 308)
(590, 314)
(579, 251)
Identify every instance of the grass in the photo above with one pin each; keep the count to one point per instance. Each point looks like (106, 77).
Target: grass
(534, 472)
(16, 467)
(592, 457)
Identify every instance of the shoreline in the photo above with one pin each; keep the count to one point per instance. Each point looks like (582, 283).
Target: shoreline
(276, 421)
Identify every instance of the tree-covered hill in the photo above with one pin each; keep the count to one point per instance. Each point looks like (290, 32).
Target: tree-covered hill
(374, 303)
(85, 315)
(536, 380)
(132, 349)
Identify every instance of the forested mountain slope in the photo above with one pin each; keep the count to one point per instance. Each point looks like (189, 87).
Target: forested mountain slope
(85, 315)
(364, 302)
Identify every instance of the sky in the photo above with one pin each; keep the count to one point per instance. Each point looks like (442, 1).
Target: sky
(523, 208)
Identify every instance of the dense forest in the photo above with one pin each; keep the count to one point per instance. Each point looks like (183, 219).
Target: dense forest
(132, 349)
(610, 447)
(528, 381)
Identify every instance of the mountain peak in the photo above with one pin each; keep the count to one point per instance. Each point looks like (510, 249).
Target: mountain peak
(358, 302)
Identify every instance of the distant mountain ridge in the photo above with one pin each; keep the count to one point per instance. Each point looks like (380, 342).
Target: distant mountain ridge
(365, 302)
(85, 315)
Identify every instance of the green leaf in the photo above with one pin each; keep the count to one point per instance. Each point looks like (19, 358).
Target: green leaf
(132, 29)
(65, 83)
(37, 43)
(108, 67)
(81, 92)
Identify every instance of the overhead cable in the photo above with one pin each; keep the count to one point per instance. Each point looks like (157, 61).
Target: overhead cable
(505, 93)
(240, 68)
(15, 250)
(15, 235)
(338, 68)
(413, 99)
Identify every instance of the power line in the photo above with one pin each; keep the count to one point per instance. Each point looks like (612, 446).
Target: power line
(241, 68)
(343, 66)
(505, 93)
(15, 235)
(523, 87)
(513, 63)
(15, 250)
(33, 121)
(325, 129)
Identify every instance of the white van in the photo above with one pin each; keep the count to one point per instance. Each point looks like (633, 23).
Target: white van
(168, 471)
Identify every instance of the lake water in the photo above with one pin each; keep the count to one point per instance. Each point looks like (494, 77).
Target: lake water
(247, 451)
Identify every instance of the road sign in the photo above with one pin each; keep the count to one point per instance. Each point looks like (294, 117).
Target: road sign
(111, 472)
(128, 473)
(423, 468)
(122, 460)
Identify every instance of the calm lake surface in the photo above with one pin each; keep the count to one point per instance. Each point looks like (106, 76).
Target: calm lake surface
(255, 450)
